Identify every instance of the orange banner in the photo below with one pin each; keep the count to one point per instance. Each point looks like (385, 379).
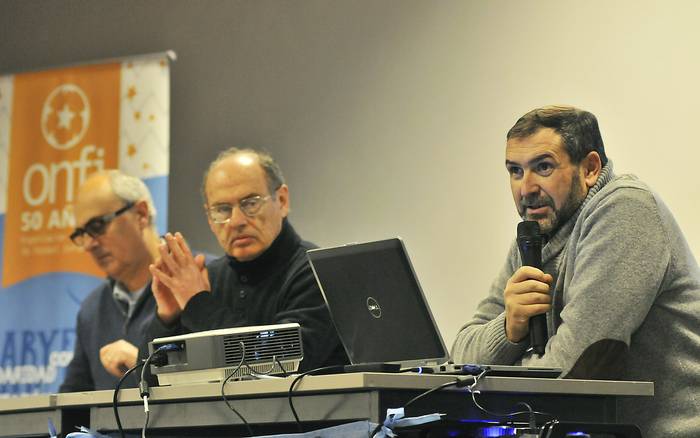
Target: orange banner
(65, 126)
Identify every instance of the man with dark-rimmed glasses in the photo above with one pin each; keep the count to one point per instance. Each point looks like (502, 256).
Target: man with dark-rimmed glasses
(116, 226)
(264, 277)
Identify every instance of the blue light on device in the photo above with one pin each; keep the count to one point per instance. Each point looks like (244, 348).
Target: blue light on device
(496, 431)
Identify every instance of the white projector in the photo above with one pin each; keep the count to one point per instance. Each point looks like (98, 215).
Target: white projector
(214, 355)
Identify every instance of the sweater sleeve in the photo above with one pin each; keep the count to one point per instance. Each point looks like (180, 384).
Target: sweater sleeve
(483, 339)
(615, 267)
(304, 304)
(205, 312)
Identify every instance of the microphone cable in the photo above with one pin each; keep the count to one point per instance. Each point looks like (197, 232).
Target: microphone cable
(144, 389)
(223, 393)
(531, 413)
(333, 369)
(115, 396)
(457, 382)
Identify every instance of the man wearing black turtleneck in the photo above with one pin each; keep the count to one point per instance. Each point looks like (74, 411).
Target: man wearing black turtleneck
(264, 277)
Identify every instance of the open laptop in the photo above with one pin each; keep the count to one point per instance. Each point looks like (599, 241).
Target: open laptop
(380, 311)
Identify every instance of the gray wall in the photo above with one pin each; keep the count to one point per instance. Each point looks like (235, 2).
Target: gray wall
(389, 117)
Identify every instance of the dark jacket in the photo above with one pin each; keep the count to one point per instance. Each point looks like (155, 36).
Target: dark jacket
(103, 320)
(277, 287)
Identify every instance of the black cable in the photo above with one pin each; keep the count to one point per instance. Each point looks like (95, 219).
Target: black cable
(264, 373)
(284, 372)
(116, 394)
(144, 389)
(275, 361)
(322, 370)
(376, 429)
(530, 412)
(456, 382)
(223, 393)
(470, 386)
(547, 427)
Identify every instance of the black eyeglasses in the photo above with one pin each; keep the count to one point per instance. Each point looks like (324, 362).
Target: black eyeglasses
(96, 226)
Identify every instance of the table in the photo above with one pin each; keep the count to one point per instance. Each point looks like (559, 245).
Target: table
(319, 400)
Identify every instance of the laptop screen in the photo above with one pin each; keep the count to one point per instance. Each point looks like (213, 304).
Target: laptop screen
(377, 304)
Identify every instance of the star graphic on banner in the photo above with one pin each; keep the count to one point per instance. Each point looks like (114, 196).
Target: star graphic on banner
(151, 117)
(65, 116)
(131, 93)
(137, 115)
(131, 151)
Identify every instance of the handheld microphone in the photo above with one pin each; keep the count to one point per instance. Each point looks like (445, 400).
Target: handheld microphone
(530, 247)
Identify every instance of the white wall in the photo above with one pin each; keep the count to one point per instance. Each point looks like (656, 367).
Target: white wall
(409, 138)
(389, 117)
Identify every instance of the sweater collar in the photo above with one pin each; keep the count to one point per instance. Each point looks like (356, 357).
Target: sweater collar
(557, 242)
(278, 253)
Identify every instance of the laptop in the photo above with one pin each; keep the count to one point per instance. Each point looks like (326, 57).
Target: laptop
(380, 310)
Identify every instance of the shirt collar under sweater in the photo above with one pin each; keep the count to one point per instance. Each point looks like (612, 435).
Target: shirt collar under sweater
(558, 241)
(278, 254)
(126, 308)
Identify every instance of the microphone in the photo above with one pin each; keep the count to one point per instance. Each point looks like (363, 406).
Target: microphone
(530, 246)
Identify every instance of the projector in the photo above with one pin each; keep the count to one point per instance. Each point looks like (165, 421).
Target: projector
(214, 355)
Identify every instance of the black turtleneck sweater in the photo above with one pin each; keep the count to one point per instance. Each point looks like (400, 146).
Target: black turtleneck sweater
(277, 287)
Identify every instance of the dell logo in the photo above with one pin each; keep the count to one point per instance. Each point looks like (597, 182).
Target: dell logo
(373, 307)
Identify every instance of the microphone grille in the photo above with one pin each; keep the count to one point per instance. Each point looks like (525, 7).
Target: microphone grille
(528, 229)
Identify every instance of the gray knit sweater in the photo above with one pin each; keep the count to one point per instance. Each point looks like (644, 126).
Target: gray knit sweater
(625, 305)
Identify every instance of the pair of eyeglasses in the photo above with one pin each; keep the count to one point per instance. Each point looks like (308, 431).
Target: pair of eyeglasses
(97, 226)
(221, 213)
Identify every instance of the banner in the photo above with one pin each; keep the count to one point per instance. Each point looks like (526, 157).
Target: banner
(57, 127)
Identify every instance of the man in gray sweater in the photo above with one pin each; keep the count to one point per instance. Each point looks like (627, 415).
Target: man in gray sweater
(619, 284)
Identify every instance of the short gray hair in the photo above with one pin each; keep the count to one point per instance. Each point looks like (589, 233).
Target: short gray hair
(273, 173)
(131, 189)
